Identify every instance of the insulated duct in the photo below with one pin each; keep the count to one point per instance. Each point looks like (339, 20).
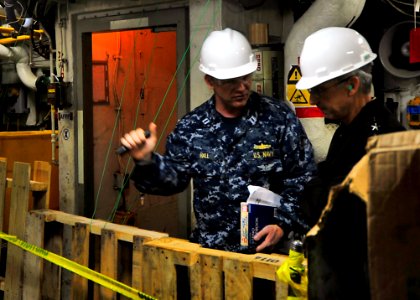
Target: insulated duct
(20, 56)
(321, 14)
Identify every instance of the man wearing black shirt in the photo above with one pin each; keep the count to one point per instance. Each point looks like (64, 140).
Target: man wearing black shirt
(336, 68)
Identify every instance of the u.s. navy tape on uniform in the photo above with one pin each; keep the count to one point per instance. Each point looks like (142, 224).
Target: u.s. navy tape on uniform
(74, 267)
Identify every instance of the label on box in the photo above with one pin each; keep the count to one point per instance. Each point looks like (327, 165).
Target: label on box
(268, 64)
(255, 217)
(244, 224)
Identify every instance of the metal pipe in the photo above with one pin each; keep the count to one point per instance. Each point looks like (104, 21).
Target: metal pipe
(52, 80)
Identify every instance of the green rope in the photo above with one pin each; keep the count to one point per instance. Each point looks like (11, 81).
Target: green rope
(184, 83)
(127, 167)
(113, 134)
(126, 180)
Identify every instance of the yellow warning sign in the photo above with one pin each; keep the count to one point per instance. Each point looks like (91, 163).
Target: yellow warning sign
(297, 97)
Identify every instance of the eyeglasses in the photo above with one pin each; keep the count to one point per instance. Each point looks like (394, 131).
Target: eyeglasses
(319, 89)
(231, 82)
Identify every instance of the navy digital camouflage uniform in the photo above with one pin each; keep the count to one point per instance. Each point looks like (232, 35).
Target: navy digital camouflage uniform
(269, 148)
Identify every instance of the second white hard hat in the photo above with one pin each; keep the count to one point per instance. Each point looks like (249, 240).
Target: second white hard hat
(227, 54)
(331, 52)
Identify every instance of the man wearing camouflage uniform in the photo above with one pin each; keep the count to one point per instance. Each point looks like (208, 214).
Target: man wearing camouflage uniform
(235, 139)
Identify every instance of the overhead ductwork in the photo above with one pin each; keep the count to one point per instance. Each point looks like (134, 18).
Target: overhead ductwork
(19, 55)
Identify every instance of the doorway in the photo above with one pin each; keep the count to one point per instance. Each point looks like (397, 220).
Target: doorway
(133, 84)
(130, 77)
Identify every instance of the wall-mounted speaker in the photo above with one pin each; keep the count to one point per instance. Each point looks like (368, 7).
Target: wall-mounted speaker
(394, 51)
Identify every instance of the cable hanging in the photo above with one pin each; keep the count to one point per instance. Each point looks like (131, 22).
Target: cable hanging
(179, 94)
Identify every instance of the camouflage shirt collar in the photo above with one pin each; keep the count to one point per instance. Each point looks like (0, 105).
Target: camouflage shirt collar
(250, 115)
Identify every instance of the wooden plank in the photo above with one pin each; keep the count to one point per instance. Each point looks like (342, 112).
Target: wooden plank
(19, 204)
(137, 278)
(207, 277)
(124, 264)
(161, 277)
(238, 278)
(282, 289)
(151, 271)
(34, 186)
(3, 176)
(123, 232)
(33, 264)
(109, 264)
(266, 265)
(42, 173)
(155, 262)
(51, 281)
(167, 278)
(80, 255)
(95, 244)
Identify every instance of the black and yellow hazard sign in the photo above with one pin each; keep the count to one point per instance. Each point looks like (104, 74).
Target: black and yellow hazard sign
(297, 97)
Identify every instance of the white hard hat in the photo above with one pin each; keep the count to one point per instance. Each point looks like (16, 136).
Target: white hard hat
(331, 52)
(227, 54)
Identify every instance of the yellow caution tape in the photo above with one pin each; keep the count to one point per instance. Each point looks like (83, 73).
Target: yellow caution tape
(78, 269)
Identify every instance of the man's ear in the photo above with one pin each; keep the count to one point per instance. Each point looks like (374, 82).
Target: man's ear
(353, 85)
(209, 81)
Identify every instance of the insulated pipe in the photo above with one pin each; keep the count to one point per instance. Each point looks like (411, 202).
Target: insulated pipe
(321, 14)
(20, 56)
(28, 22)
